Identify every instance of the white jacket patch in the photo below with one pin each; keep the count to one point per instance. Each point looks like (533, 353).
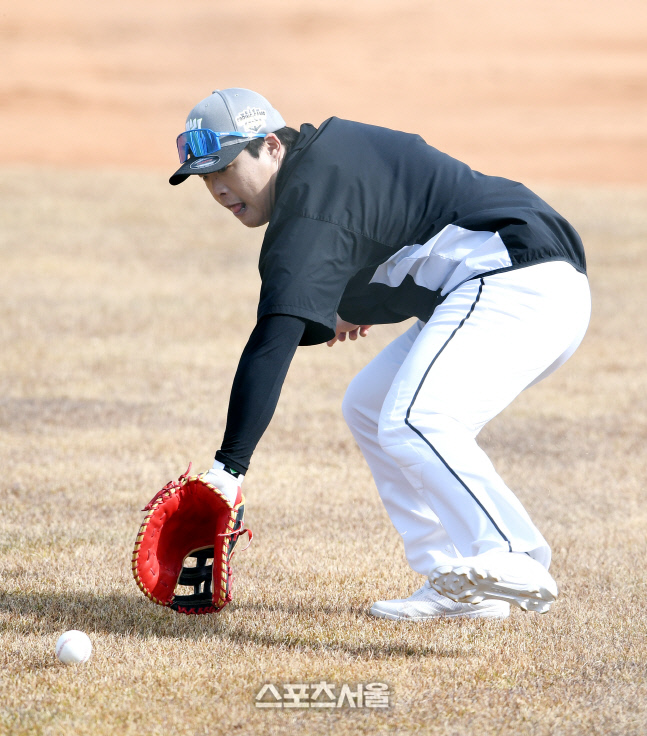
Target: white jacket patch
(451, 257)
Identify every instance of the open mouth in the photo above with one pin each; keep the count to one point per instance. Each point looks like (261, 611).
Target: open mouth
(238, 208)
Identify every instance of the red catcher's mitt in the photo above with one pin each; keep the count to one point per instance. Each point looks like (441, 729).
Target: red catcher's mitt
(188, 519)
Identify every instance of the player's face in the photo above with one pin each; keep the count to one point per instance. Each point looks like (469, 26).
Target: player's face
(246, 186)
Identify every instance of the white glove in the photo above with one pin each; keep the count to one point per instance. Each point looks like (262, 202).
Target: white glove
(225, 482)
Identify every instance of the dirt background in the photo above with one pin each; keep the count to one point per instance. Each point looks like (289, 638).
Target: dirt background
(553, 91)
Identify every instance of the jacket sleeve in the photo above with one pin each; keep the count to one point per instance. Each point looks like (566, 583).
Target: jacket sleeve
(257, 386)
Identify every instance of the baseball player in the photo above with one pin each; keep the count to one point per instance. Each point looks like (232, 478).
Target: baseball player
(367, 226)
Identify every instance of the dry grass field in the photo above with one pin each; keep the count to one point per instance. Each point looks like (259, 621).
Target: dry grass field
(124, 305)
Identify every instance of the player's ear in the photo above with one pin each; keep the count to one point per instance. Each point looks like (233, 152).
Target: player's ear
(273, 145)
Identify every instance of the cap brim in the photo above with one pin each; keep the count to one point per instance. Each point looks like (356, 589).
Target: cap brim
(208, 164)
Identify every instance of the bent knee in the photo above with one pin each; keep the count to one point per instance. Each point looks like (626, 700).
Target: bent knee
(356, 404)
(396, 430)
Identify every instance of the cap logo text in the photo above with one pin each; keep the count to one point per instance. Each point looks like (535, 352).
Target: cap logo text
(193, 123)
(251, 119)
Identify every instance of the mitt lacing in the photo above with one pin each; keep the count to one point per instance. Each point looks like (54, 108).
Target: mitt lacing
(170, 486)
(237, 533)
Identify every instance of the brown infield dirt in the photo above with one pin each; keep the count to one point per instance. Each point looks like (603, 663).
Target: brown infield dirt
(125, 304)
(551, 91)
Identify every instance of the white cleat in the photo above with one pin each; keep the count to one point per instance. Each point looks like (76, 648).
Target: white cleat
(426, 603)
(507, 576)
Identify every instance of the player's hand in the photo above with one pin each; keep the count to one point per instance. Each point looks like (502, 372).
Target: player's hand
(344, 329)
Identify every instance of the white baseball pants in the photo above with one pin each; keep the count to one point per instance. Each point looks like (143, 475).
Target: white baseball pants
(415, 410)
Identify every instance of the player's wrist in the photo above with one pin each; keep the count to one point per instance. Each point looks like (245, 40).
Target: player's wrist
(231, 471)
(232, 464)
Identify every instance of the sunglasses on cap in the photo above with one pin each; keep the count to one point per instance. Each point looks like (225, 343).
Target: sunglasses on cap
(203, 142)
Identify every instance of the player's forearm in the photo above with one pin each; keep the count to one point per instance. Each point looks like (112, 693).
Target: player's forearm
(257, 387)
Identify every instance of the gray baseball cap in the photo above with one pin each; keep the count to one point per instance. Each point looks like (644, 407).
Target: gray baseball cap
(220, 127)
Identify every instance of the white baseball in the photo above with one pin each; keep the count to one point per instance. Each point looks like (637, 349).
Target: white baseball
(73, 647)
